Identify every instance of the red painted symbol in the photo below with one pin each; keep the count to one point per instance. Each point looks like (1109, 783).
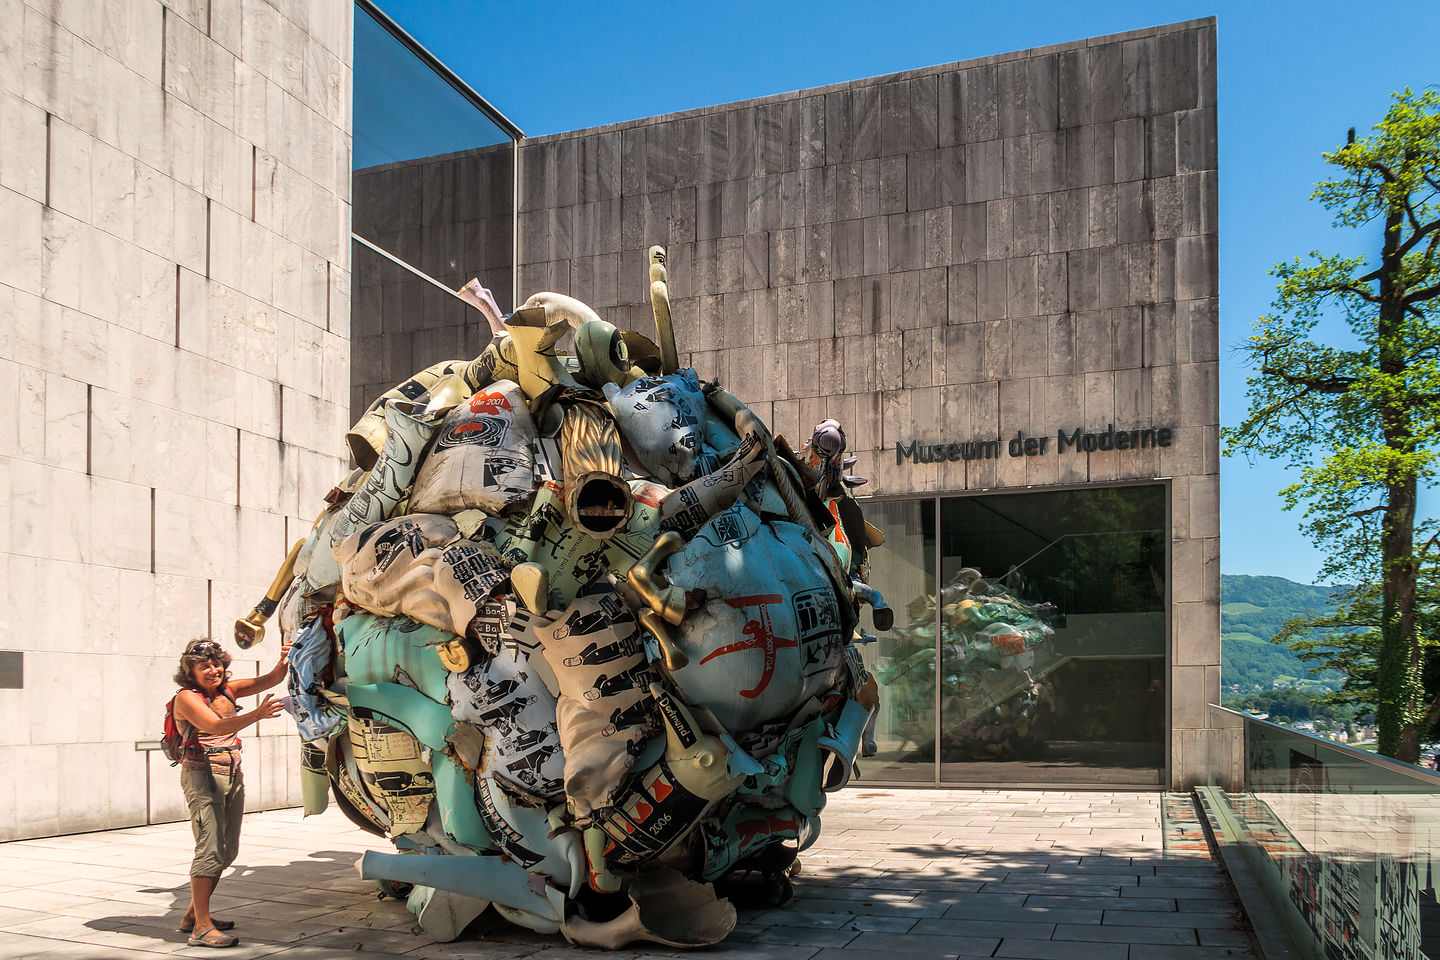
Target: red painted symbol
(484, 404)
(661, 789)
(767, 825)
(761, 637)
(489, 403)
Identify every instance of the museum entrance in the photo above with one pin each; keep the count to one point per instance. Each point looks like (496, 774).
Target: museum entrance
(1029, 641)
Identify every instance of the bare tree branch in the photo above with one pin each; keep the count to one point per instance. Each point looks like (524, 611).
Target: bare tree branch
(1311, 384)
(1390, 177)
(1360, 292)
(1423, 294)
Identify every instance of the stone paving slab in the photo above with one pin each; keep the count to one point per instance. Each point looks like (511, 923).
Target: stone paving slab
(898, 874)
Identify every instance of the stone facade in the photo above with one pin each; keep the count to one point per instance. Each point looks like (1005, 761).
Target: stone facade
(174, 278)
(1025, 242)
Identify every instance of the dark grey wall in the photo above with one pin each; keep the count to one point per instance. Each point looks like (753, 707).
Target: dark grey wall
(450, 216)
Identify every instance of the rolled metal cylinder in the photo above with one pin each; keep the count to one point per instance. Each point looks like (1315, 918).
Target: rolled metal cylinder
(673, 657)
(250, 629)
(660, 304)
(644, 577)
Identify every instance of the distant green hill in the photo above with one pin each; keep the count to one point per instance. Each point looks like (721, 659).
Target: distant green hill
(1251, 612)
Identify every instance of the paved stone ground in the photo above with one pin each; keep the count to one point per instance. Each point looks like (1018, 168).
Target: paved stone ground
(897, 874)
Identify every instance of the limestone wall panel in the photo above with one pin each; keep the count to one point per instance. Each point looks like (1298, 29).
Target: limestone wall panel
(159, 281)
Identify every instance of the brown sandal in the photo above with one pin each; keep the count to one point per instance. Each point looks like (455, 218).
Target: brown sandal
(210, 937)
(188, 924)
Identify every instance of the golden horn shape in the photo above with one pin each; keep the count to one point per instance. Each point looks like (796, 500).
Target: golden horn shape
(644, 577)
(250, 629)
(673, 656)
(589, 443)
(660, 303)
(596, 499)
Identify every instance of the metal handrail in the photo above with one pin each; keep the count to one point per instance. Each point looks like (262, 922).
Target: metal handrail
(438, 66)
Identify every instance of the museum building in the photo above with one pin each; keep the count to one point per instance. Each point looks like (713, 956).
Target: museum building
(228, 231)
(999, 276)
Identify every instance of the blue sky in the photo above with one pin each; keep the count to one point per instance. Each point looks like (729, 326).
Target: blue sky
(1292, 78)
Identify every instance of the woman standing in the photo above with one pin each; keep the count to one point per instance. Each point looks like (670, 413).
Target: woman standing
(207, 713)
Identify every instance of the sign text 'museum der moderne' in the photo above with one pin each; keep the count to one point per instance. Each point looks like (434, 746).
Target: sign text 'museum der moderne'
(1076, 441)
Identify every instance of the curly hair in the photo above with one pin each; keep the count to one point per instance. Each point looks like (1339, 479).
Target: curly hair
(200, 650)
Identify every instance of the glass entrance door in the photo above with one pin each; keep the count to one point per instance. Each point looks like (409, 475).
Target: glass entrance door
(1046, 615)
(903, 659)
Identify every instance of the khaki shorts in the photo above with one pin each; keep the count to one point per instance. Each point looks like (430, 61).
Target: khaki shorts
(217, 804)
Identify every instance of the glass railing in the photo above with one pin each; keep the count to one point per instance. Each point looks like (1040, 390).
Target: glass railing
(1339, 840)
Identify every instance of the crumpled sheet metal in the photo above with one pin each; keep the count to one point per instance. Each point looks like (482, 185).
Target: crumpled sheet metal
(366, 438)
(747, 829)
(481, 456)
(392, 769)
(310, 660)
(663, 418)
(384, 486)
(768, 637)
(666, 907)
(505, 698)
(581, 622)
(604, 712)
(419, 565)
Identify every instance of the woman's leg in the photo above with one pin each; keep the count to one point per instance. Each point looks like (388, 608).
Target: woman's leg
(205, 798)
(209, 884)
(199, 912)
(233, 817)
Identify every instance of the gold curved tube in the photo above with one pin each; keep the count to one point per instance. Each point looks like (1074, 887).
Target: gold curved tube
(660, 303)
(250, 629)
(644, 577)
(672, 655)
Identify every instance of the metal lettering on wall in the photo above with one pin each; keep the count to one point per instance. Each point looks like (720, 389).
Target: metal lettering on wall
(1078, 440)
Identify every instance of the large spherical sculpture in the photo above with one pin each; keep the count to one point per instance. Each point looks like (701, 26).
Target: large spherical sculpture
(578, 635)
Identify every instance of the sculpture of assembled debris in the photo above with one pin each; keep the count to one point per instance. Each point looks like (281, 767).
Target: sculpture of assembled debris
(579, 635)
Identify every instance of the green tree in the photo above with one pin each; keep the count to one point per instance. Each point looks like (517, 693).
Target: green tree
(1349, 637)
(1362, 419)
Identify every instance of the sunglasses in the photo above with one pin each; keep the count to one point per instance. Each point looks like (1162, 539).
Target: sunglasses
(204, 647)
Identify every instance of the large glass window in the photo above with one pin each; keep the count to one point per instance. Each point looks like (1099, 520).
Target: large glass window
(1048, 623)
(406, 109)
(432, 205)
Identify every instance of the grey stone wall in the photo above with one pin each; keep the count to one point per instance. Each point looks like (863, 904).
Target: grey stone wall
(1021, 243)
(174, 363)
